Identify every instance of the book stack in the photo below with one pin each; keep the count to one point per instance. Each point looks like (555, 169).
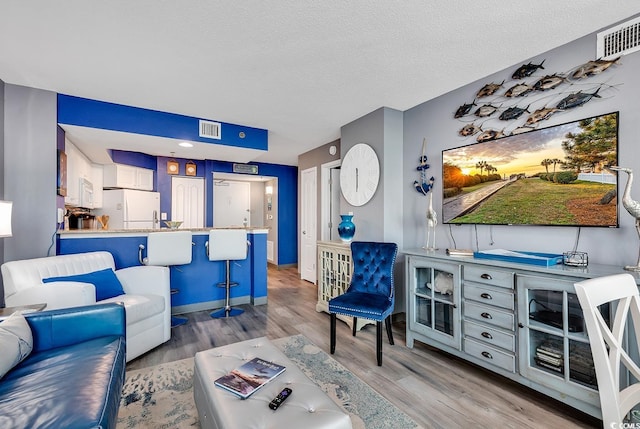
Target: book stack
(550, 357)
(459, 252)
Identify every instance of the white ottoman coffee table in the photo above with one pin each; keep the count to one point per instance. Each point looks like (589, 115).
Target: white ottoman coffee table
(307, 407)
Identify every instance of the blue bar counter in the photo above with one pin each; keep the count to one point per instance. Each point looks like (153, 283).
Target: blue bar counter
(196, 282)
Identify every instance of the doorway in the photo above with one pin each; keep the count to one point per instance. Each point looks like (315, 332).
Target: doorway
(187, 201)
(308, 223)
(232, 203)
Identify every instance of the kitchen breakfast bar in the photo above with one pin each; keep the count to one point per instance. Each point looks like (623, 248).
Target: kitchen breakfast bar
(196, 283)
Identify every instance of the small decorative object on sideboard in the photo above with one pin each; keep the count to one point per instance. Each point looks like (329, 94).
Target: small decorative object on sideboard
(346, 228)
(575, 259)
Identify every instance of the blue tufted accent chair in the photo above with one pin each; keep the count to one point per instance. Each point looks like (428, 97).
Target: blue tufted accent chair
(371, 293)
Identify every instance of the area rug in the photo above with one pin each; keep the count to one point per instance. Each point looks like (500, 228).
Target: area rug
(162, 396)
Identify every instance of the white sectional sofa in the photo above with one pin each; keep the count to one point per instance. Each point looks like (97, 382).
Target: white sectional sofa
(146, 298)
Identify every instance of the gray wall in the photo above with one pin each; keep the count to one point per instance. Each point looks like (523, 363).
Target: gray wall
(381, 218)
(30, 170)
(434, 120)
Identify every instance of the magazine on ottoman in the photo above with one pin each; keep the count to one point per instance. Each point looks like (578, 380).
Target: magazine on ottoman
(249, 377)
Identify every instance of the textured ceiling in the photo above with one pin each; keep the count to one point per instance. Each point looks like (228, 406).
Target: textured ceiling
(300, 69)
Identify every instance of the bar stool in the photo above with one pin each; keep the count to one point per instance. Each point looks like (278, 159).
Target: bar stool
(227, 245)
(166, 249)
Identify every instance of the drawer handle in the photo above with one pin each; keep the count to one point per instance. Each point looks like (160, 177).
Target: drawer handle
(486, 276)
(487, 355)
(487, 335)
(486, 315)
(485, 296)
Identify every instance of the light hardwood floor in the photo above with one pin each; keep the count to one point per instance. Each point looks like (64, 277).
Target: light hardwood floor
(436, 389)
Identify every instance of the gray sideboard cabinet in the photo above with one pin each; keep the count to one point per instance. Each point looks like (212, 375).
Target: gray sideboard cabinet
(521, 321)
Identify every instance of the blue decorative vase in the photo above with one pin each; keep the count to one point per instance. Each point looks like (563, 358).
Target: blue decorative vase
(346, 228)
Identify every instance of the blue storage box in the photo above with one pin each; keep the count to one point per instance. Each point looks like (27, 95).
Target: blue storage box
(533, 258)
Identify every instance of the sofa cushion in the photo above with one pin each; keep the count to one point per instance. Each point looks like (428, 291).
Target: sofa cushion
(106, 282)
(139, 307)
(69, 387)
(16, 342)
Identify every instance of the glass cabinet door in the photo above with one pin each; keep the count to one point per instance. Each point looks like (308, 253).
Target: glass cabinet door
(554, 348)
(434, 299)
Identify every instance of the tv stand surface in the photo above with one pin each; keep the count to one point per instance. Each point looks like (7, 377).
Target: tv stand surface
(484, 312)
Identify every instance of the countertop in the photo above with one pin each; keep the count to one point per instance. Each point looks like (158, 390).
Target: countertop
(254, 230)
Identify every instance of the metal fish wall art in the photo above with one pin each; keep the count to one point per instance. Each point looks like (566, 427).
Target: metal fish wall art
(485, 110)
(521, 130)
(489, 135)
(541, 115)
(526, 70)
(576, 99)
(469, 130)
(519, 90)
(532, 89)
(593, 67)
(513, 113)
(489, 89)
(550, 81)
(464, 109)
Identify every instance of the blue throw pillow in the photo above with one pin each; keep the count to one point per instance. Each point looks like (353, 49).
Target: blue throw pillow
(106, 283)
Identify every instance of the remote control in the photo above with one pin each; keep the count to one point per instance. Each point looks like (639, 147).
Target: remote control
(278, 400)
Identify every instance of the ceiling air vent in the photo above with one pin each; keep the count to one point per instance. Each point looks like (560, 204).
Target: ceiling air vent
(210, 130)
(619, 40)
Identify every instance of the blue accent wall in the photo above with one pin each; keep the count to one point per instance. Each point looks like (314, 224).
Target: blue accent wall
(117, 117)
(98, 114)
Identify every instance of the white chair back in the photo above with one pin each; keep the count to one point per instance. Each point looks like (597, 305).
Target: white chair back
(612, 362)
(169, 248)
(227, 244)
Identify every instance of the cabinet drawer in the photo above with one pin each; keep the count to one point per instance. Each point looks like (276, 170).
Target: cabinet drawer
(489, 296)
(490, 335)
(491, 355)
(489, 276)
(490, 315)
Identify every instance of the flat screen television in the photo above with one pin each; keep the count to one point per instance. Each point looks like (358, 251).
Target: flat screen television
(554, 176)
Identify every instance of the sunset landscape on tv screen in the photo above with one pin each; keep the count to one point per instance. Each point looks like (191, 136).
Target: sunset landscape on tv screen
(554, 176)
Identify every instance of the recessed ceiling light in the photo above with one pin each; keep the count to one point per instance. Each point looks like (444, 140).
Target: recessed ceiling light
(185, 144)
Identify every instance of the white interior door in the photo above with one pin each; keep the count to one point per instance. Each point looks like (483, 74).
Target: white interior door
(308, 221)
(231, 203)
(187, 201)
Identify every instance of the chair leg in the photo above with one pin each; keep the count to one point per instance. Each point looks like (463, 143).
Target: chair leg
(387, 322)
(333, 333)
(379, 342)
(227, 311)
(353, 328)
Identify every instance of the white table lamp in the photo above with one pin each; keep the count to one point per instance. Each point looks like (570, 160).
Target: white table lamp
(5, 218)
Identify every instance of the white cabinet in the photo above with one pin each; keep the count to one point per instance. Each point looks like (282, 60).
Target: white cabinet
(97, 180)
(521, 321)
(334, 276)
(127, 177)
(79, 169)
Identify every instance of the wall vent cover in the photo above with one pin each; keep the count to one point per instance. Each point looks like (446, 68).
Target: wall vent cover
(210, 130)
(622, 39)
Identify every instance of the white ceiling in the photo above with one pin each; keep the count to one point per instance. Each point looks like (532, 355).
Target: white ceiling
(300, 69)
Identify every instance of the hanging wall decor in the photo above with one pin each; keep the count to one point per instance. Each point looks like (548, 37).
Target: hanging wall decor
(423, 186)
(173, 167)
(190, 169)
(547, 95)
